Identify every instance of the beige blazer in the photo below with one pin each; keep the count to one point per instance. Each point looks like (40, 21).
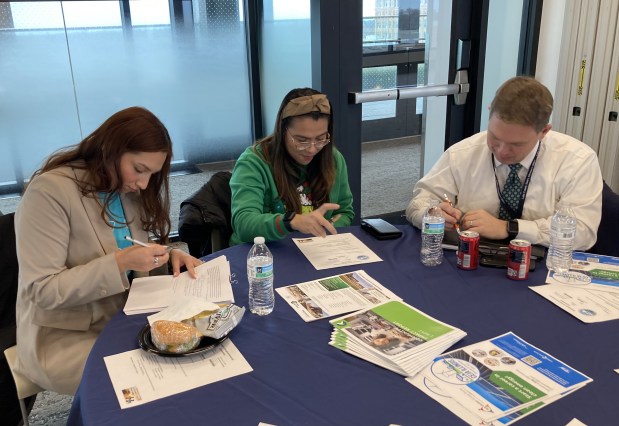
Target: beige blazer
(69, 282)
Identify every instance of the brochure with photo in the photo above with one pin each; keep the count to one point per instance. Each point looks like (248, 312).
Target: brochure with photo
(335, 295)
(394, 334)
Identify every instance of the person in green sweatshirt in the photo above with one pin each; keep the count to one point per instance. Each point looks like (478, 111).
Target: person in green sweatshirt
(294, 179)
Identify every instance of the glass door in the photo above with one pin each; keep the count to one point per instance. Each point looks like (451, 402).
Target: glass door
(406, 45)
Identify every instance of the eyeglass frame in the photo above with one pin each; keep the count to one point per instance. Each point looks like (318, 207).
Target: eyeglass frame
(317, 143)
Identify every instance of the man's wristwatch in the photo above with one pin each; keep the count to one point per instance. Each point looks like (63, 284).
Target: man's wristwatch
(512, 228)
(287, 218)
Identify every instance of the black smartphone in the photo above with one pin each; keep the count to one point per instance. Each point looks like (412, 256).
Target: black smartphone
(500, 262)
(380, 228)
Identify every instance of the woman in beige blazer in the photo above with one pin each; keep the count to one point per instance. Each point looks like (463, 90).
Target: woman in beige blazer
(74, 264)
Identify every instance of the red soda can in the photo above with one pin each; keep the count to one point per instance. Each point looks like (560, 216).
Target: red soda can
(518, 259)
(468, 250)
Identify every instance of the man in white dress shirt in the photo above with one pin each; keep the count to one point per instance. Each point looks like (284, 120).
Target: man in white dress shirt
(551, 168)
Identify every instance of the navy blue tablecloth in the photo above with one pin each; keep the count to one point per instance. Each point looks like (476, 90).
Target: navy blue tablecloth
(298, 379)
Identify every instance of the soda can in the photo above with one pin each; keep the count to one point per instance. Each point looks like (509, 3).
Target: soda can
(468, 250)
(518, 259)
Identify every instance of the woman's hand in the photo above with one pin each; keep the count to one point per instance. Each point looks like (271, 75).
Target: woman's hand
(143, 259)
(180, 258)
(314, 222)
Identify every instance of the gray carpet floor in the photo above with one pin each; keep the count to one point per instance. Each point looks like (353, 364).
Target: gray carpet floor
(389, 171)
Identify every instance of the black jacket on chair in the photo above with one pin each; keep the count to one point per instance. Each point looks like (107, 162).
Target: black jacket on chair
(205, 212)
(608, 233)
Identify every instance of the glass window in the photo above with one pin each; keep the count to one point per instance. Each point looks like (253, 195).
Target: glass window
(394, 34)
(66, 66)
(503, 42)
(286, 57)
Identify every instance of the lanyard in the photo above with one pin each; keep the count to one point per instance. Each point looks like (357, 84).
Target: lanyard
(523, 191)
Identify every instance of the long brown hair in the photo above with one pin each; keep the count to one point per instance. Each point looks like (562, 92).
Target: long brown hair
(134, 129)
(320, 171)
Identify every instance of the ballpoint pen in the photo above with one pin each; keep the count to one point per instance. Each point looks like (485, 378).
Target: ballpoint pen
(140, 243)
(457, 224)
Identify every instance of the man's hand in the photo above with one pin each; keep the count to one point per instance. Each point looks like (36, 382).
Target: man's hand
(485, 224)
(451, 214)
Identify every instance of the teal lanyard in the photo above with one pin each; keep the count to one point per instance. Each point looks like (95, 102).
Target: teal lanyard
(117, 219)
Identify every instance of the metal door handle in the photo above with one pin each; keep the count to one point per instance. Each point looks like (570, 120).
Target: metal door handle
(459, 88)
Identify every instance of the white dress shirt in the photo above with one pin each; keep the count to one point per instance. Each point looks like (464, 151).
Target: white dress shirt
(566, 170)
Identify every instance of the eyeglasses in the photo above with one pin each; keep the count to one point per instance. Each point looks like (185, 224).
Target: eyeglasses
(305, 143)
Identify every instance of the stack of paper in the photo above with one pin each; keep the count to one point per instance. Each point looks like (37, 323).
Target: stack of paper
(394, 335)
(497, 381)
(589, 290)
(152, 294)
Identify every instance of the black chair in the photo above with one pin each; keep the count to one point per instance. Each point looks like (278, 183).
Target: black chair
(8, 295)
(205, 222)
(608, 233)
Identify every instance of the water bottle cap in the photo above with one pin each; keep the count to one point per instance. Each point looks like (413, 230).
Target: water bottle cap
(258, 240)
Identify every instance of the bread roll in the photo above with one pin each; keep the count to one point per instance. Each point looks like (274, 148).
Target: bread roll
(174, 337)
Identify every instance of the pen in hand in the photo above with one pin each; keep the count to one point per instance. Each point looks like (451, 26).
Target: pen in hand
(140, 243)
(457, 224)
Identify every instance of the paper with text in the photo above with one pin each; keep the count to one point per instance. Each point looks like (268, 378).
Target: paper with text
(335, 295)
(152, 294)
(585, 303)
(336, 250)
(139, 377)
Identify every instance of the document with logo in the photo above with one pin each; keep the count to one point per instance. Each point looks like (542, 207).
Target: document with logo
(585, 303)
(139, 377)
(500, 377)
(599, 271)
(589, 290)
(335, 295)
(336, 250)
(427, 386)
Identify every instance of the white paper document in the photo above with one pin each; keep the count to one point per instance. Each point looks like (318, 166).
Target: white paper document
(139, 377)
(336, 250)
(152, 294)
(589, 290)
(585, 303)
(335, 295)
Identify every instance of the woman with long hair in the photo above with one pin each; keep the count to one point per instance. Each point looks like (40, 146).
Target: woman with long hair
(75, 264)
(294, 179)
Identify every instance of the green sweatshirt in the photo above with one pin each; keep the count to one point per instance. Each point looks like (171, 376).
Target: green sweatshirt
(257, 209)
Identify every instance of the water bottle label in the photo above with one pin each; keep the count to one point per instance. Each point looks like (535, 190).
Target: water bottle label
(433, 228)
(264, 271)
(567, 235)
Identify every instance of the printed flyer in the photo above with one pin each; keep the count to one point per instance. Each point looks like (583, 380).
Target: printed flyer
(598, 271)
(499, 377)
(335, 295)
(394, 335)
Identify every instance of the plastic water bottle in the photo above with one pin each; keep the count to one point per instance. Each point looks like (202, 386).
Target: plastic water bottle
(260, 277)
(432, 232)
(562, 236)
